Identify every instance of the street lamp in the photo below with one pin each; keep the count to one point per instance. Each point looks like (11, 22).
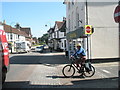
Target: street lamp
(49, 40)
(47, 25)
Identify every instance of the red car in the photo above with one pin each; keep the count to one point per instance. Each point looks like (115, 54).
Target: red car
(4, 54)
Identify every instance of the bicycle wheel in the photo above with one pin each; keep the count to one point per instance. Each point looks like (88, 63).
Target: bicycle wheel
(68, 71)
(89, 73)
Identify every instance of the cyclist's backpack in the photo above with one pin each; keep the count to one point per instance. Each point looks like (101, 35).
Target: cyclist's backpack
(88, 66)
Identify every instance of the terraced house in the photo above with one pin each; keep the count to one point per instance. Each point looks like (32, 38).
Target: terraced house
(15, 34)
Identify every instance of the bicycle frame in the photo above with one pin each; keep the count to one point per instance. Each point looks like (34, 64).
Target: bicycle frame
(73, 63)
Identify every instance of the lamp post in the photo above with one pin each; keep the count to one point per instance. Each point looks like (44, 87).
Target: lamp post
(49, 38)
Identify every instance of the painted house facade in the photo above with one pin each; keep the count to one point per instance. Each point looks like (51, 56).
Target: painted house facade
(14, 35)
(50, 37)
(57, 36)
(104, 42)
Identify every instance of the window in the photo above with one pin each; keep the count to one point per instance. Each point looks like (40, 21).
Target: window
(62, 44)
(8, 36)
(77, 18)
(18, 36)
(73, 2)
(69, 23)
(65, 43)
(68, 5)
(57, 34)
(72, 18)
(64, 33)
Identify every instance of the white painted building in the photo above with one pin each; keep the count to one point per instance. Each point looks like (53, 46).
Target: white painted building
(59, 36)
(13, 35)
(50, 38)
(104, 42)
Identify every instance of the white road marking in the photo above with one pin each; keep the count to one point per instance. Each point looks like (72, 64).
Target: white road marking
(105, 71)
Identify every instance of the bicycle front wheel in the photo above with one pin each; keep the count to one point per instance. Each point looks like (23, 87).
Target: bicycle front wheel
(68, 71)
(89, 73)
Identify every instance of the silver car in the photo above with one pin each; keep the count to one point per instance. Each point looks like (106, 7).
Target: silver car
(39, 49)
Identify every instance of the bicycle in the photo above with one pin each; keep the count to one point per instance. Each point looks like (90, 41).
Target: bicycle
(69, 70)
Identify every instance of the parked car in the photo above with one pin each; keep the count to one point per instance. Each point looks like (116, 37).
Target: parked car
(39, 49)
(4, 55)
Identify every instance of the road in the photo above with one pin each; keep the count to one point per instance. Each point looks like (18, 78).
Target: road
(43, 70)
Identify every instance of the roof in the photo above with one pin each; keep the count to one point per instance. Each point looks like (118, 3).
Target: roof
(27, 30)
(59, 24)
(9, 29)
(63, 27)
(51, 30)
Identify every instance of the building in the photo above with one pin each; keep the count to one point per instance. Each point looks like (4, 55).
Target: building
(62, 35)
(57, 33)
(50, 37)
(104, 42)
(27, 30)
(57, 36)
(15, 34)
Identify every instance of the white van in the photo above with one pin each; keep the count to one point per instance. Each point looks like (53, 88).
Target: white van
(23, 46)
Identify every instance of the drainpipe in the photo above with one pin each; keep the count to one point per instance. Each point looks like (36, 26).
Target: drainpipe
(86, 44)
(119, 34)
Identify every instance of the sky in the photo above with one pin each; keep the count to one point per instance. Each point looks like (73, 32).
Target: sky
(33, 14)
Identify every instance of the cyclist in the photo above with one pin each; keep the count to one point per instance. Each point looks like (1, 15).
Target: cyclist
(80, 55)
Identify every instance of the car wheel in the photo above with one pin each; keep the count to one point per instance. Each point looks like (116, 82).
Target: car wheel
(3, 75)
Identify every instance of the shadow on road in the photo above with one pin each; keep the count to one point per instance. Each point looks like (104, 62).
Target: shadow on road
(105, 60)
(54, 57)
(56, 77)
(32, 59)
(105, 83)
(24, 59)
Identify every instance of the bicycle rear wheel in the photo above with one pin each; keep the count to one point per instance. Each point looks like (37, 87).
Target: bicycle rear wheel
(89, 73)
(68, 71)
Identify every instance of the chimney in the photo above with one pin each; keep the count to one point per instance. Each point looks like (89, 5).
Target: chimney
(17, 26)
(64, 18)
(4, 22)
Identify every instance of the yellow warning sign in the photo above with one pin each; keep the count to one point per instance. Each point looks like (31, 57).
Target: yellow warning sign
(88, 29)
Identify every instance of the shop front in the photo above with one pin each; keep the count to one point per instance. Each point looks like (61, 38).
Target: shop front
(74, 37)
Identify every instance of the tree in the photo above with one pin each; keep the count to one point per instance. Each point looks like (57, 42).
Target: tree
(43, 39)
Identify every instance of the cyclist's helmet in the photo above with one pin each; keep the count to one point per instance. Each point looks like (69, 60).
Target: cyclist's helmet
(78, 45)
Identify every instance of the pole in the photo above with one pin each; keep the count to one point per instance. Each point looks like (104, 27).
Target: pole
(86, 39)
(119, 50)
(11, 36)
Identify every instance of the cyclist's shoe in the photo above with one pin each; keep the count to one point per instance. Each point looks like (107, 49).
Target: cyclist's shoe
(82, 76)
(81, 71)
(87, 69)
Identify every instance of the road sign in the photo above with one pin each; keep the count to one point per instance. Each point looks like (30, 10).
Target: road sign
(88, 29)
(117, 14)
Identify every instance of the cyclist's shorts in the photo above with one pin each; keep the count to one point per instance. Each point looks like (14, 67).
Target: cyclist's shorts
(84, 57)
